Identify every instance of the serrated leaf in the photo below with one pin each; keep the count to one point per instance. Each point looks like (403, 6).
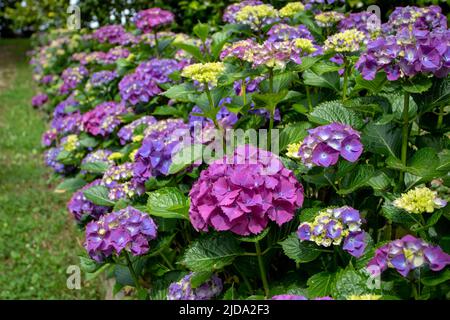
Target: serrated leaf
(374, 86)
(396, 215)
(255, 238)
(281, 82)
(293, 134)
(299, 251)
(380, 181)
(382, 139)
(328, 80)
(350, 282)
(191, 49)
(417, 85)
(180, 92)
(356, 179)
(320, 284)
(436, 278)
(334, 111)
(211, 253)
(98, 195)
(95, 167)
(308, 215)
(168, 202)
(199, 278)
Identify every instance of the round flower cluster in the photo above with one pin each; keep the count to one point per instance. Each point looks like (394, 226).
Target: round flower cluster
(112, 34)
(103, 119)
(242, 50)
(120, 182)
(183, 290)
(243, 191)
(359, 21)
(39, 100)
(72, 77)
(297, 297)
(346, 41)
(204, 73)
(148, 20)
(99, 155)
(125, 133)
(70, 142)
(230, 12)
(67, 123)
(128, 229)
(334, 226)
(158, 70)
(80, 207)
(102, 77)
(114, 54)
(285, 32)
(329, 18)
(291, 9)
(420, 200)
(407, 55)
(257, 16)
(50, 160)
(406, 254)
(324, 144)
(47, 79)
(154, 157)
(292, 150)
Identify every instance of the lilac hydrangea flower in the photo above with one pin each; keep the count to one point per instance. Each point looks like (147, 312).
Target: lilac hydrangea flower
(121, 182)
(112, 34)
(103, 119)
(324, 144)
(150, 19)
(80, 207)
(229, 15)
(47, 79)
(125, 133)
(183, 290)
(125, 230)
(72, 77)
(334, 226)
(50, 160)
(285, 32)
(406, 254)
(48, 137)
(242, 192)
(102, 77)
(39, 100)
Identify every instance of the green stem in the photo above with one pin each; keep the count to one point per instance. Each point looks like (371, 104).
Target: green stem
(308, 97)
(345, 84)
(244, 91)
(133, 272)
(405, 136)
(156, 43)
(440, 120)
(271, 80)
(169, 264)
(262, 270)
(244, 277)
(272, 114)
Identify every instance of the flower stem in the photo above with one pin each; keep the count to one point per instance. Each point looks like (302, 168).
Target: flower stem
(262, 269)
(405, 135)
(440, 120)
(132, 271)
(345, 84)
(169, 264)
(244, 92)
(308, 97)
(156, 43)
(271, 80)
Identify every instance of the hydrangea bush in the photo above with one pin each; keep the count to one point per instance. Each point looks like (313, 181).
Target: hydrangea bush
(348, 186)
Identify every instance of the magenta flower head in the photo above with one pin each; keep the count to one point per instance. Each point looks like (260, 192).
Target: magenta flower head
(324, 144)
(150, 19)
(183, 290)
(128, 229)
(80, 207)
(242, 192)
(112, 34)
(39, 100)
(406, 254)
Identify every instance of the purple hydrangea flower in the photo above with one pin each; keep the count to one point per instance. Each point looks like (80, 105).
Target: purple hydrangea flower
(80, 207)
(324, 145)
(102, 77)
(39, 100)
(48, 137)
(183, 290)
(125, 133)
(242, 192)
(125, 230)
(99, 155)
(121, 182)
(50, 160)
(103, 119)
(150, 19)
(112, 34)
(285, 32)
(47, 79)
(406, 254)
(230, 12)
(72, 77)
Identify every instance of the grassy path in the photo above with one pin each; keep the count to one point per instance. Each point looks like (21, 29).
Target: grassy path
(38, 239)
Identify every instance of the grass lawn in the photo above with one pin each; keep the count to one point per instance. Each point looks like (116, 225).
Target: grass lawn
(38, 239)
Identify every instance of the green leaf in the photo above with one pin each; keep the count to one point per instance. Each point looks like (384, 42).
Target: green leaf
(219, 39)
(299, 251)
(438, 95)
(373, 86)
(88, 142)
(201, 30)
(181, 92)
(98, 195)
(123, 276)
(397, 215)
(417, 85)
(308, 215)
(325, 67)
(293, 134)
(186, 156)
(320, 284)
(334, 111)
(423, 163)
(199, 278)
(191, 49)
(350, 282)
(307, 62)
(281, 82)
(268, 100)
(328, 80)
(168, 202)
(70, 185)
(357, 179)
(380, 181)
(95, 167)
(382, 139)
(255, 238)
(436, 278)
(211, 253)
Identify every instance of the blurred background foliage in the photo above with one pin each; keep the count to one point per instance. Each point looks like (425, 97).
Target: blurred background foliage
(21, 18)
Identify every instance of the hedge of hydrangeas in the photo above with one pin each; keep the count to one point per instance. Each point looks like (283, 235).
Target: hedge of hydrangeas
(358, 186)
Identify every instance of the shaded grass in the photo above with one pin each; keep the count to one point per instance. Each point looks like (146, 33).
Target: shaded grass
(38, 239)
